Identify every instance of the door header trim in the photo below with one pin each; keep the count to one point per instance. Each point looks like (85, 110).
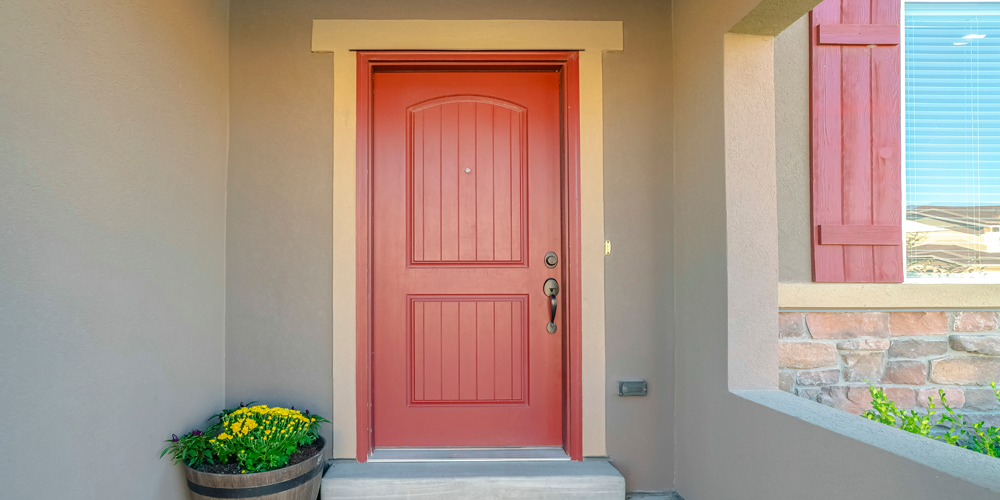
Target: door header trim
(332, 35)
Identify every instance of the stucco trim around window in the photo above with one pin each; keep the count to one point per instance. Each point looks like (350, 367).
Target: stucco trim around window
(888, 296)
(342, 38)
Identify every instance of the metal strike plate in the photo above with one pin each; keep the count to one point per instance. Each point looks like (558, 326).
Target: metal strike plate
(628, 388)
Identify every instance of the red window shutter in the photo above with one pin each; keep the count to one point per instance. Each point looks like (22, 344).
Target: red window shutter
(857, 229)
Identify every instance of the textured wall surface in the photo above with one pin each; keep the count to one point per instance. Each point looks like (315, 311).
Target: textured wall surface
(832, 357)
(791, 122)
(113, 137)
(278, 336)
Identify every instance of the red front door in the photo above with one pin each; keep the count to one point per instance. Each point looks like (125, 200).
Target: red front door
(466, 203)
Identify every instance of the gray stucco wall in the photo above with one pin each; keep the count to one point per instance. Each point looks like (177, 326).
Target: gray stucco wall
(791, 113)
(278, 336)
(729, 446)
(113, 138)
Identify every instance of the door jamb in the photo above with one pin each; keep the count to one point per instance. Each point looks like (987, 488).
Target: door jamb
(567, 64)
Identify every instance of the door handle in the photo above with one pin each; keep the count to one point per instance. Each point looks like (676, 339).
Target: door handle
(551, 289)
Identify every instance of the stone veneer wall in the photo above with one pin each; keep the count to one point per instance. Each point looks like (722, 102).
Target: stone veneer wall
(832, 357)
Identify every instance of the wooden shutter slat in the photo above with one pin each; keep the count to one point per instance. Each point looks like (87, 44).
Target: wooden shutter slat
(856, 86)
(828, 260)
(856, 191)
(859, 34)
(887, 184)
(866, 235)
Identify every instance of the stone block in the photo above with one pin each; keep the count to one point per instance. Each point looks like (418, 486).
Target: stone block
(791, 325)
(954, 395)
(810, 393)
(863, 344)
(975, 321)
(786, 380)
(852, 399)
(988, 419)
(863, 366)
(904, 397)
(849, 325)
(907, 323)
(806, 355)
(981, 400)
(913, 348)
(818, 377)
(908, 372)
(982, 344)
(965, 370)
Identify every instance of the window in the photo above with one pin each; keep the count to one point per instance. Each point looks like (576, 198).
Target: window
(951, 81)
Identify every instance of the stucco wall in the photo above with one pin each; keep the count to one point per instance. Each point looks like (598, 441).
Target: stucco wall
(791, 122)
(741, 445)
(279, 226)
(113, 143)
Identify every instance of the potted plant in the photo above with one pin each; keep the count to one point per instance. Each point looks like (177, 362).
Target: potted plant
(253, 452)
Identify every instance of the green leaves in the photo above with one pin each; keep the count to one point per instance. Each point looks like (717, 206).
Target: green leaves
(255, 437)
(976, 437)
(885, 411)
(192, 449)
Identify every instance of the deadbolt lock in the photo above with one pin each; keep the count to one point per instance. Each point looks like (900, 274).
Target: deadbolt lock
(551, 259)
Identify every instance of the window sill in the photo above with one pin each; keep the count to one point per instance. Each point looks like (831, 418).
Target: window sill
(921, 296)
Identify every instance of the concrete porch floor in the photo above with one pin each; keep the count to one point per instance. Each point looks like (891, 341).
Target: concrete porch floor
(474, 480)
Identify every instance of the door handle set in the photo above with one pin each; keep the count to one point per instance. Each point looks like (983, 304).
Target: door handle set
(551, 289)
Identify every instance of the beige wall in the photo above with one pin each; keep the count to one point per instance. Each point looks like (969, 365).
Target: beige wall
(791, 117)
(113, 138)
(279, 236)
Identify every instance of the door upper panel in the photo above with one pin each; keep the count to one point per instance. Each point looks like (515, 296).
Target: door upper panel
(467, 182)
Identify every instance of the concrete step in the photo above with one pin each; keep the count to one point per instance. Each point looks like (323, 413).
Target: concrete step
(474, 481)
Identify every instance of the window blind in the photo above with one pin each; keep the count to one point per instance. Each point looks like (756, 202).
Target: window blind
(952, 147)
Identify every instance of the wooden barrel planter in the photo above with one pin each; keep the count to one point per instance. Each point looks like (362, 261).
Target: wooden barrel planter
(296, 482)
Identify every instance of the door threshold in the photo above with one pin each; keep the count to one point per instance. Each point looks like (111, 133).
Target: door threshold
(508, 454)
